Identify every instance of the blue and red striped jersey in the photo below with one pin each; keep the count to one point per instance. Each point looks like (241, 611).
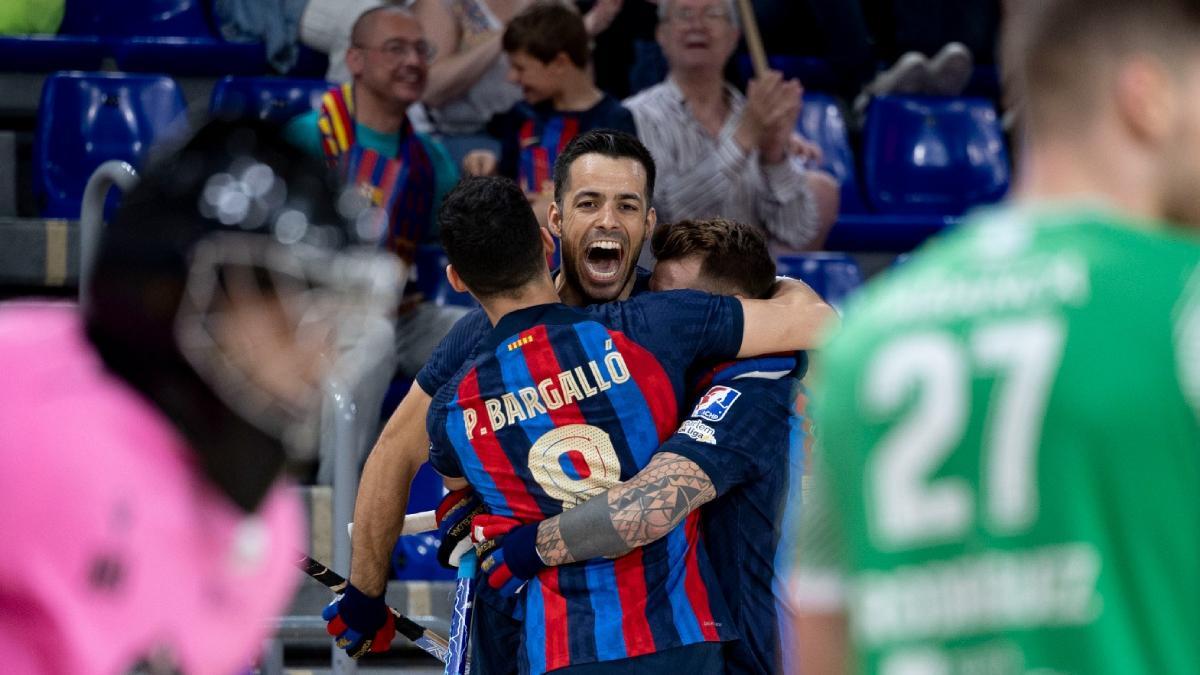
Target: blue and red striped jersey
(560, 405)
(739, 432)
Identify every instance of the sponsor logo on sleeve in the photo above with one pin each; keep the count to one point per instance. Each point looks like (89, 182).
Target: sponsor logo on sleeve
(715, 403)
(699, 431)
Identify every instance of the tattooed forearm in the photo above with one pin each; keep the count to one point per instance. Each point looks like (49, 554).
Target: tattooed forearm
(635, 513)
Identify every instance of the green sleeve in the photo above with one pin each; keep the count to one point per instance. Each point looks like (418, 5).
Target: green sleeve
(445, 175)
(302, 132)
(818, 574)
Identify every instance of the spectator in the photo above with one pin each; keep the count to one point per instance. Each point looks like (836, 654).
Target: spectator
(363, 130)
(615, 54)
(325, 25)
(468, 82)
(724, 154)
(547, 50)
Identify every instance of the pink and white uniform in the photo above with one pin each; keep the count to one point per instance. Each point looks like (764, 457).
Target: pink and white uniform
(113, 547)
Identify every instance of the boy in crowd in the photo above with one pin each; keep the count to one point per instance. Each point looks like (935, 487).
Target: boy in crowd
(548, 51)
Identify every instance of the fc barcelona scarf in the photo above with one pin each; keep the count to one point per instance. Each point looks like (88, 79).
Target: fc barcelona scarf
(402, 186)
(541, 140)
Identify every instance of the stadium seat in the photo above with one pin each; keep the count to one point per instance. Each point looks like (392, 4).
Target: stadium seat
(129, 18)
(431, 278)
(933, 156)
(190, 56)
(267, 98)
(834, 276)
(156, 36)
(885, 232)
(821, 122)
(814, 73)
(48, 53)
(87, 118)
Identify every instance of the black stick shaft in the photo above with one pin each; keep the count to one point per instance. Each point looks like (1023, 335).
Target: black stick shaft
(433, 644)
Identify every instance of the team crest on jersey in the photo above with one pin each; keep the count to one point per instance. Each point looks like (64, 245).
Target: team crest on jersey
(715, 403)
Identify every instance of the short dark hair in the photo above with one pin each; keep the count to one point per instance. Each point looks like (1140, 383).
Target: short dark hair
(1056, 50)
(734, 256)
(606, 142)
(546, 28)
(491, 235)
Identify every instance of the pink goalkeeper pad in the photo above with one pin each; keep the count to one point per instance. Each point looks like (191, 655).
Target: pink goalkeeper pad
(115, 549)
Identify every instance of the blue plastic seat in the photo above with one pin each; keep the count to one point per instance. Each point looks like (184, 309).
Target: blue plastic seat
(813, 72)
(48, 53)
(128, 18)
(155, 36)
(885, 232)
(821, 122)
(87, 118)
(834, 276)
(933, 156)
(431, 278)
(190, 56)
(274, 99)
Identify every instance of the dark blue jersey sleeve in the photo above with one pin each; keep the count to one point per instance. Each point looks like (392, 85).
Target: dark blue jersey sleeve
(680, 327)
(441, 451)
(738, 431)
(453, 351)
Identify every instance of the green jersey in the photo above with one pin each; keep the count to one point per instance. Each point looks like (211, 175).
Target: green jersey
(1009, 472)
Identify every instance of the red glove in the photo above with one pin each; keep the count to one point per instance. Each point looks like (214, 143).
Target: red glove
(507, 551)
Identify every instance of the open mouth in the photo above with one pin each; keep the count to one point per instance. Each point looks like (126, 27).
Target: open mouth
(603, 259)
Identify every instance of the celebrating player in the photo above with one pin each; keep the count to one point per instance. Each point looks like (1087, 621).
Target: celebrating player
(144, 518)
(562, 404)
(1007, 482)
(734, 449)
(602, 216)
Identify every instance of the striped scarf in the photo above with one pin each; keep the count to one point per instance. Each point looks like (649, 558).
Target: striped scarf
(403, 186)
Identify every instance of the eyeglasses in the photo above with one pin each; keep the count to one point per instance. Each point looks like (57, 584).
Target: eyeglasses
(394, 50)
(711, 14)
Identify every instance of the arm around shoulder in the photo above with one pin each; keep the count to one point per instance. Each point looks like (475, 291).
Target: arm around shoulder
(794, 318)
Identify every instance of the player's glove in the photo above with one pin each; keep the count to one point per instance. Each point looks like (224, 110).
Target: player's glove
(507, 552)
(454, 516)
(360, 623)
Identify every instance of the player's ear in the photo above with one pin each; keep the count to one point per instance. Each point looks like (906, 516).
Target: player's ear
(547, 241)
(651, 222)
(456, 281)
(554, 220)
(1146, 99)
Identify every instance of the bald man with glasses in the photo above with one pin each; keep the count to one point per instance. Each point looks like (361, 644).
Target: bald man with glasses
(362, 130)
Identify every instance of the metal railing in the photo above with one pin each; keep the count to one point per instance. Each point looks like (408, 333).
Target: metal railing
(91, 214)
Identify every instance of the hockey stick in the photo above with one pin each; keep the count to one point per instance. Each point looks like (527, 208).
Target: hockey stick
(414, 523)
(433, 644)
(460, 619)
